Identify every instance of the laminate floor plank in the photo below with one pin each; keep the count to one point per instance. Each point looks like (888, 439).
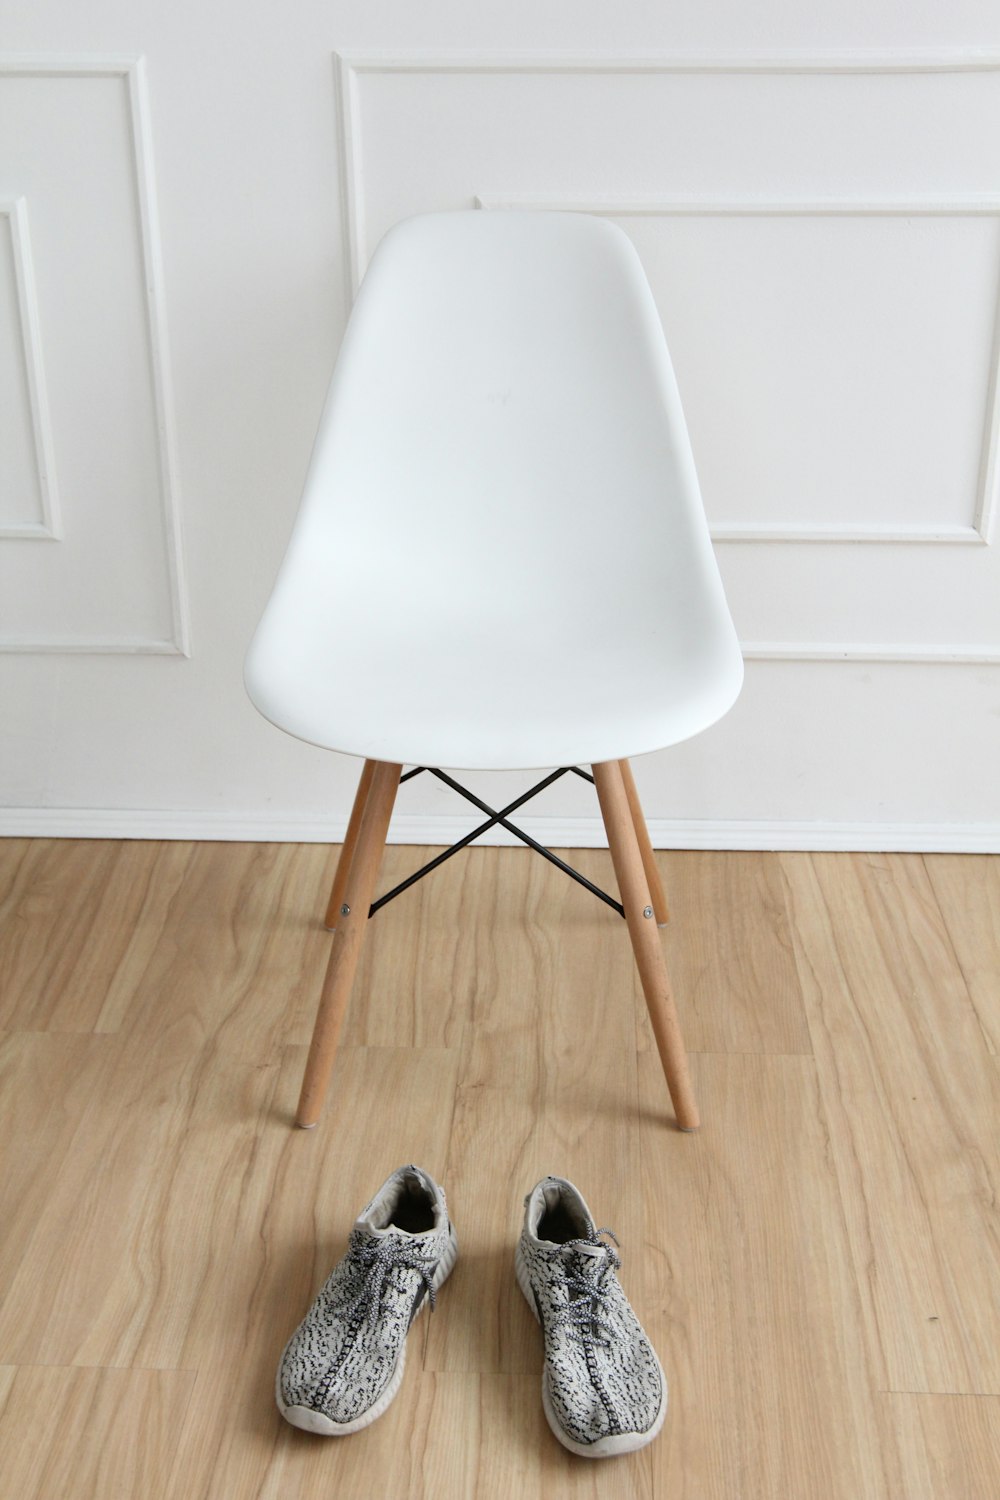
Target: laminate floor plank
(89, 1434)
(151, 1196)
(729, 952)
(750, 1298)
(519, 1455)
(967, 887)
(428, 951)
(64, 912)
(426, 1445)
(910, 1094)
(235, 1442)
(947, 1447)
(547, 1084)
(47, 1081)
(236, 949)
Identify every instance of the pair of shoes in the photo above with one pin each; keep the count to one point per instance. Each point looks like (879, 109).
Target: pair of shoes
(603, 1390)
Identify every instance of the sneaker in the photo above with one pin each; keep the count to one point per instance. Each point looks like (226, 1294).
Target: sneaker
(602, 1386)
(344, 1363)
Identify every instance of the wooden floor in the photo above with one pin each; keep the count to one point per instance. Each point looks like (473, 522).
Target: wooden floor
(819, 1268)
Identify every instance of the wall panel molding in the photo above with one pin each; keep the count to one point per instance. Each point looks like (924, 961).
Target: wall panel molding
(15, 210)
(145, 182)
(131, 73)
(872, 651)
(351, 66)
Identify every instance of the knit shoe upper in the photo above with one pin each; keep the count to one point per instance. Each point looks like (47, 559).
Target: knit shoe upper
(603, 1389)
(344, 1363)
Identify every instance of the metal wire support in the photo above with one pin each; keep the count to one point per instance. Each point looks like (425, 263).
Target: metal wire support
(494, 819)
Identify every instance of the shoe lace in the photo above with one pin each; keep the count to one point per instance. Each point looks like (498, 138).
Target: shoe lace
(372, 1261)
(587, 1277)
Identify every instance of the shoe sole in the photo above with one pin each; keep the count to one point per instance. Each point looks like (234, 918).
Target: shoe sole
(308, 1420)
(608, 1447)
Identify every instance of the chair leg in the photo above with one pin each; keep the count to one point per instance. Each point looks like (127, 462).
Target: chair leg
(352, 921)
(657, 894)
(627, 860)
(349, 846)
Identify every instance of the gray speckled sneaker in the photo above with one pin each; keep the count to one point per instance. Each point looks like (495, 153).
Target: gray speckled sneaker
(602, 1386)
(344, 1363)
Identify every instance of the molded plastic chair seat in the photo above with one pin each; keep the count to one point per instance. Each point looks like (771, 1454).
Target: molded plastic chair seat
(501, 559)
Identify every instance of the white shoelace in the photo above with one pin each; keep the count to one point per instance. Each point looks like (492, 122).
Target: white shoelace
(373, 1260)
(585, 1314)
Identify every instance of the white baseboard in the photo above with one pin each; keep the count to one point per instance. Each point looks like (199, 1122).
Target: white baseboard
(555, 833)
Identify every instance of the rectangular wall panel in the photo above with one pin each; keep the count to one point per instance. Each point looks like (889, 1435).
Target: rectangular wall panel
(826, 259)
(76, 162)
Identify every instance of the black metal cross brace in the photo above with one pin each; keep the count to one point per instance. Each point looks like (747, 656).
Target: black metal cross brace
(492, 821)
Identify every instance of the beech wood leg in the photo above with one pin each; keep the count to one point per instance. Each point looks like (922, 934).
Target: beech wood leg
(657, 894)
(352, 922)
(349, 846)
(632, 884)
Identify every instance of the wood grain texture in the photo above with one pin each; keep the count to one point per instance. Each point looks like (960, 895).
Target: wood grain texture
(911, 1100)
(58, 984)
(967, 888)
(46, 1085)
(750, 1297)
(547, 1083)
(345, 950)
(640, 917)
(819, 1256)
(90, 1434)
(350, 844)
(420, 963)
(729, 948)
(945, 1446)
(650, 864)
(249, 981)
(149, 1210)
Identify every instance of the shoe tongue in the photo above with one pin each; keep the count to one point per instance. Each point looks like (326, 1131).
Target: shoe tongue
(373, 1231)
(595, 1251)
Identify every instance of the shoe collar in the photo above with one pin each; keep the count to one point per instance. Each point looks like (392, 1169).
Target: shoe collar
(551, 1193)
(374, 1219)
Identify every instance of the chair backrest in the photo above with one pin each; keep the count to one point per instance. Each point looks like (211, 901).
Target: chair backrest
(501, 557)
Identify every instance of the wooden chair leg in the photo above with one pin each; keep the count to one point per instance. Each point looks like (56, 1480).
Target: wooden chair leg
(350, 844)
(631, 876)
(657, 894)
(352, 921)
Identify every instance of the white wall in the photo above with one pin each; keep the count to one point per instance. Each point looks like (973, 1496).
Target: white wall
(187, 194)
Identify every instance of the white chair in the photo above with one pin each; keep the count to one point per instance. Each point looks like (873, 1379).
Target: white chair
(501, 559)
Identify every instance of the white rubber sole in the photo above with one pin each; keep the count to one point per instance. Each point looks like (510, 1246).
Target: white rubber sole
(608, 1447)
(314, 1421)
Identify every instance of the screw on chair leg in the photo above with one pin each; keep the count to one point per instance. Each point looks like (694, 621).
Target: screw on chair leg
(627, 860)
(352, 923)
(350, 844)
(656, 892)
